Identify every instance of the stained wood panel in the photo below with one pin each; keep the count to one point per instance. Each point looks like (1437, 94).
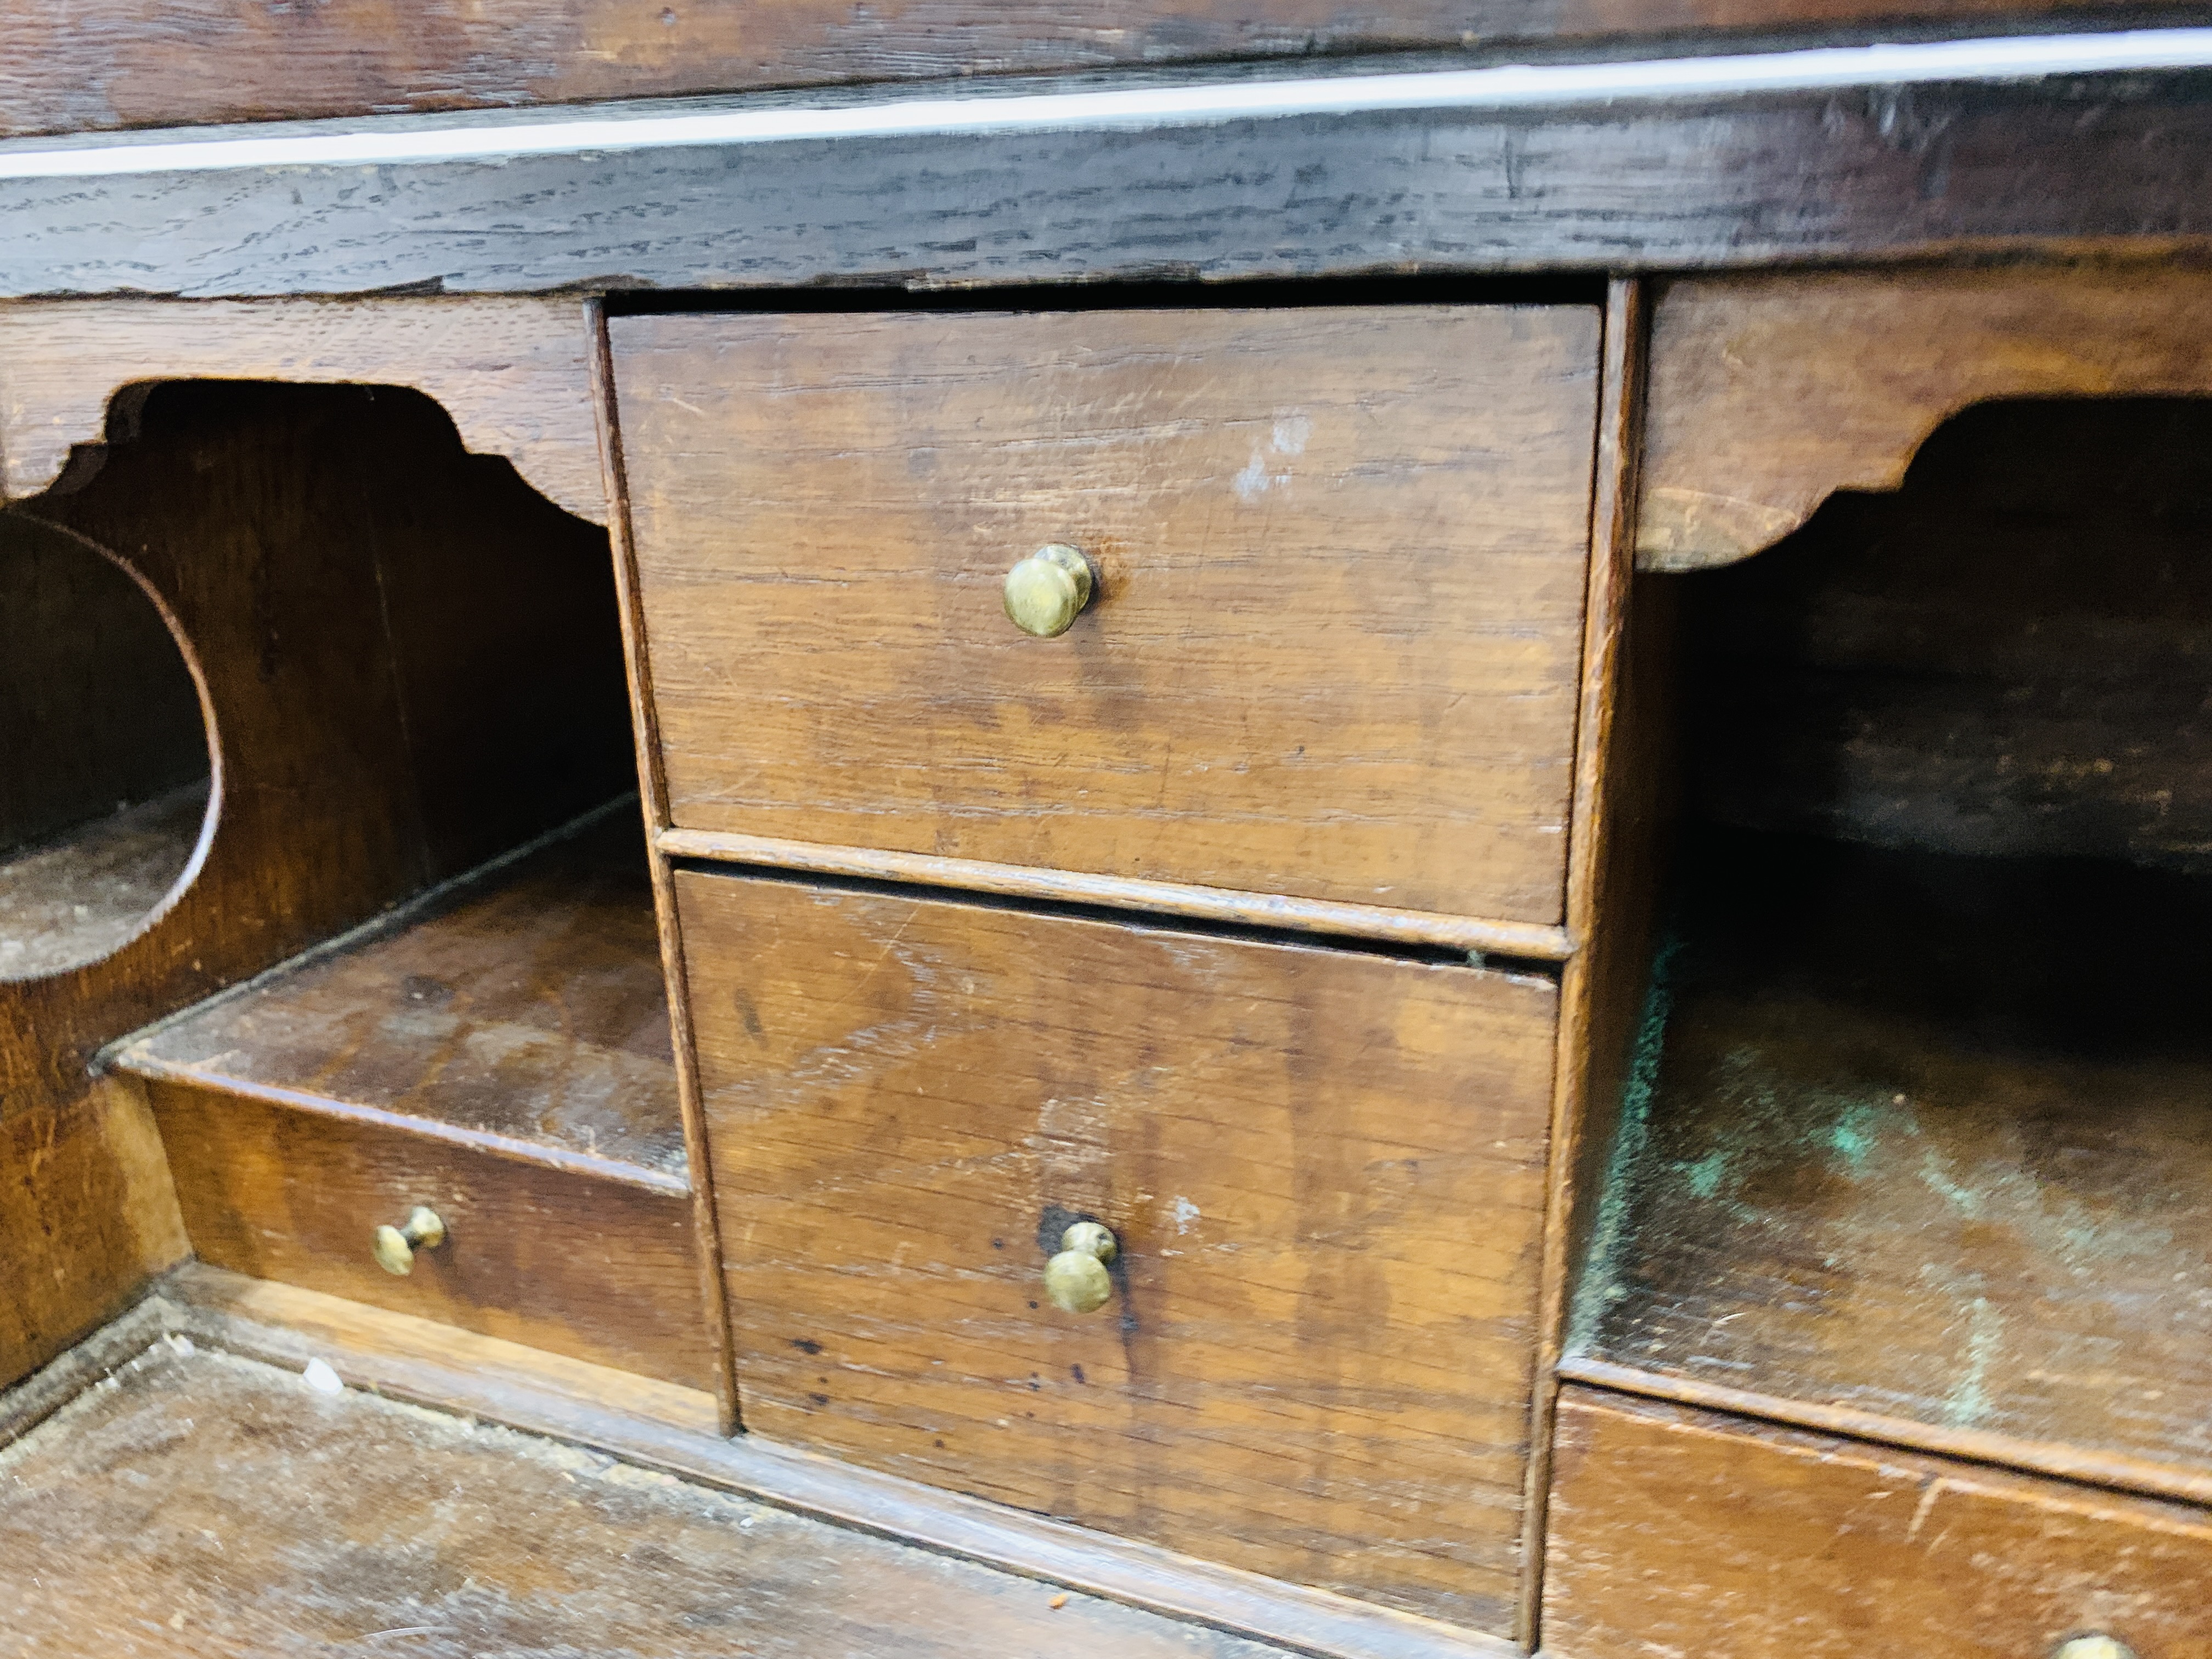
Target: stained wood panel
(1914, 1142)
(1769, 392)
(135, 62)
(1676, 1531)
(1342, 556)
(141, 1522)
(580, 1263)
(1326, 1169)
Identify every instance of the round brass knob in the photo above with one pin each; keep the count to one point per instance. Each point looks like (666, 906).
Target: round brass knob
(395, 1246)
(1076, 1279)
(1046, 592)
(2098, 1646)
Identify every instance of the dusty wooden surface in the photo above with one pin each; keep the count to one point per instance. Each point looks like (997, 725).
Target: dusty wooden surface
(82, 896)
(1677, 1532)
(1342, 557)
(413, 665)
(139, 1521)
(511, 373)
(658, 1425)
(139, 63)
(2030, 168)
(529, 1006)
(1918, 1142)
(1769, 392)
(1313, 1365)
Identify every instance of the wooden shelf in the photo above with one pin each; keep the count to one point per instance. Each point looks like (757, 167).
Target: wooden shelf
(525, 1005)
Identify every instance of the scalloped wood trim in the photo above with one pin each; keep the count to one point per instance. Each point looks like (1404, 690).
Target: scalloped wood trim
(1770, 393)
(513, 374)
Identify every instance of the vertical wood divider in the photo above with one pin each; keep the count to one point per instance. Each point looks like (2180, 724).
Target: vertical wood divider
(1611, 570)
(652, 793)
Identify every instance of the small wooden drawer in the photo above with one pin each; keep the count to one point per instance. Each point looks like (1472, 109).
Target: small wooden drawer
(1325, 1170)
(1676, 1531)
(561, 1259)
(1333, 649)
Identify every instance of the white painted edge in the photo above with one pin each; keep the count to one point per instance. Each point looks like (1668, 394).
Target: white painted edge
(1515, 86)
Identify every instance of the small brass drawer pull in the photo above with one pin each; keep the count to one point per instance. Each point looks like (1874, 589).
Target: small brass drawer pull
(2099, 1646)
(395, 1246)
(1046, 592)
(1076, 1279)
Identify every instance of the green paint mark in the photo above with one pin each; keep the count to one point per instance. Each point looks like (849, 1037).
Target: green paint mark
(1853, 1135)
(1596, 1283)
(1706, 1175)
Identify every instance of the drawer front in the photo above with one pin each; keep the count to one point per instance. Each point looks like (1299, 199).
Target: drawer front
(599, 1269)
(1335, 646)
(1677, 1532)
(1325, 1170)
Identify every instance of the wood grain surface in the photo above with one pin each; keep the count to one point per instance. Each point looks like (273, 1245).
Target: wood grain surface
(1676, 1531)
(510, 372)
(1315, 1366)
(139, 1522)
(139, 63)
(1770, 392)
(657, 1426)
(528, 1006)
(581, 1264)
(411, 663)
(1342, 556)
(2032, 168)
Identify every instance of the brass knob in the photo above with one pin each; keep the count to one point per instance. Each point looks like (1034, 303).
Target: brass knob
(1076, 1279)
(395, 1246)
(2099, 1646)
(1046, 592)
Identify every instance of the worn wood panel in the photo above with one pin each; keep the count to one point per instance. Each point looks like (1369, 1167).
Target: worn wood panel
(139, 1523)
(272, 523)
(1675, 1531)
(87, 1215)
(2027, 169)
(1342, 556)
(1911, 1139)
(511, 373)
(529, 1005)
(1770, 392)
(1315, 1366)
(585, 1265)
(98, 63)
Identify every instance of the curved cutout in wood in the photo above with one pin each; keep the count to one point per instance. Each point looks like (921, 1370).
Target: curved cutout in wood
(1768, 394)
(513, 374)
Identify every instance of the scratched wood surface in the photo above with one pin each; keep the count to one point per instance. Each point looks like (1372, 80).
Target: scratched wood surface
(139, 1522)
(1769, 392)
(2038, 168)
(412, 664)
(530, 1006)
(1677, 1531)
(139, 63)
(1318, 1360)
(1342, 557)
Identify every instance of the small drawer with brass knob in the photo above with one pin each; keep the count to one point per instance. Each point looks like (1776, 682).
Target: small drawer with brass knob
(1313, 581)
